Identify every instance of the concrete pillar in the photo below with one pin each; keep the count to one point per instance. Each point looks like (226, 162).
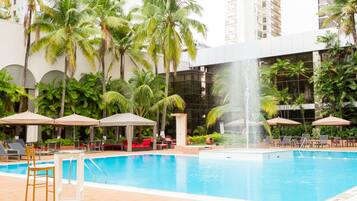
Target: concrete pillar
(181, 128)
(316, 59)
(129, 137)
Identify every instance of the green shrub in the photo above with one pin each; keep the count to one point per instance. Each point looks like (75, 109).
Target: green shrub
(201, 139)
(294, 131)
(63, 142)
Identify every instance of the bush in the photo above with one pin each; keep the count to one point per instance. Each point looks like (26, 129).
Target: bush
(344, 133)
(217, 138)
(294, 131)
(63, 142)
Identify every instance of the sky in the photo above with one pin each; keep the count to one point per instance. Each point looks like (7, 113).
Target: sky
(297, 16)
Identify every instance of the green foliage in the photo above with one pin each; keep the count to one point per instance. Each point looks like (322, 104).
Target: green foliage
(201, 139)
(10, 94)
(335, 80)
(344, 133)
(290, 131)
(143, 95)
(63, 142)
(200, 130)
(83, 97)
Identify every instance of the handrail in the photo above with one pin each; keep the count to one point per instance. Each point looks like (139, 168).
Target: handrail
(100, 169)
(90, 169)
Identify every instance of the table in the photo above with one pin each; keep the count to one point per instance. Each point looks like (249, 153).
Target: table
(74, 155)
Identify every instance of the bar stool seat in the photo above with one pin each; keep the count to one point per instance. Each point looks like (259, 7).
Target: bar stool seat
(42, 166)
(34, 170)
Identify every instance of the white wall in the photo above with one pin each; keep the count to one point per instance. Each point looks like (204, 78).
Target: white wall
(12, 51)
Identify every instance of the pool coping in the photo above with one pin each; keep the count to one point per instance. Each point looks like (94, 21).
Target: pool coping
(147, 191)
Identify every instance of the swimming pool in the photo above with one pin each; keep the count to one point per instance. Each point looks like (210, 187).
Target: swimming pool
(309, 175)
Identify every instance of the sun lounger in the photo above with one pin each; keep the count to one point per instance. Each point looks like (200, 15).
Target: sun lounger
(285, 142)
(8, 153)
(322, 141)
(20, 149)
(337, 141)
(304, 140)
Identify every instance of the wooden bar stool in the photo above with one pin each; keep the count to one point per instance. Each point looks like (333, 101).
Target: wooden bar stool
(34, 169)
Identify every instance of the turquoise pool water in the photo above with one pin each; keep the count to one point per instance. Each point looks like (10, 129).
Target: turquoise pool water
(307, 176)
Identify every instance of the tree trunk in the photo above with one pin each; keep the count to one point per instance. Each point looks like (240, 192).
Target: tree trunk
(164, 111)
(156, 70)
(122, 71)
(354, 32)
(302, 111)
(23, 105)
(104, 79)
(63, 97)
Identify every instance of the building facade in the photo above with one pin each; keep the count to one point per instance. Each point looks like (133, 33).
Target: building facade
(251, 20)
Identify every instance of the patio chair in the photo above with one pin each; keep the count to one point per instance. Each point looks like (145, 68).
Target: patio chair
(21, 141)
(96, 145)
(336, 141)
(304, 140)
(322, 141)
(20, 149)
(53, 146)
(8, 153)
(350, 142)
(285, 142)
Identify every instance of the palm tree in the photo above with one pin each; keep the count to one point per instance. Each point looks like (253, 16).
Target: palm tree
(108, 15)
(4, 9)
(342, 14)
(31, 10)
(221, 86)
(168, 23)
(67, 28)
(127, 43)
(145, 97)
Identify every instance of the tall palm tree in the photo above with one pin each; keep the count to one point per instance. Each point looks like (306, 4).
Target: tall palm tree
(127, 43)
(67, 28)
(108, 16)
(168, 23)
(31, 10)
(342, 14)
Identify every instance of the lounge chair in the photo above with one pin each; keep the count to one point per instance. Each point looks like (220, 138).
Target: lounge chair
(96, 146)
(20, 149)
(8, 153)
(322, 141)
(336, 141)
(304, 140)
(21, 141)
(53, 146)
(350, 142)
(285, 142)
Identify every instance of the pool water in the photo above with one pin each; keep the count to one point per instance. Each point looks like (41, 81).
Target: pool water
(309, 175)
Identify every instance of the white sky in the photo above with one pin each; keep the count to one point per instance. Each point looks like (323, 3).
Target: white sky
(297, 16)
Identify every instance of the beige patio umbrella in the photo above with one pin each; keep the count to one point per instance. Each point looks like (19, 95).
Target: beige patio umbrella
(26, 118)
(331, 121)
(76, 120)
(282, 121)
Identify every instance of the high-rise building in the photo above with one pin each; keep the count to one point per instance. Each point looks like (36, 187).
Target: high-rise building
(252, 19)
(13, 10)
(322, 18)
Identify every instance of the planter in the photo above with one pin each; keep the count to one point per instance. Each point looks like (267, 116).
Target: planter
(67, 147)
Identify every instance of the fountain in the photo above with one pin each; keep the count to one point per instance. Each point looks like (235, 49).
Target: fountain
(243, 122)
